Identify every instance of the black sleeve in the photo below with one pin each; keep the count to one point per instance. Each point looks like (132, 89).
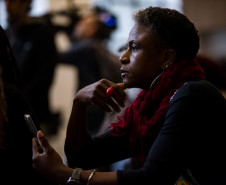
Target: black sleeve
(101, 150)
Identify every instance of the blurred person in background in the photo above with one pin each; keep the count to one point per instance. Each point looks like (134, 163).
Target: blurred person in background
(90, 55)
(33, 45)
(15, 167)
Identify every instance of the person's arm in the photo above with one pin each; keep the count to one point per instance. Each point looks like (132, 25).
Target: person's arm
(100, 151)
(49, 163)
(77, 134)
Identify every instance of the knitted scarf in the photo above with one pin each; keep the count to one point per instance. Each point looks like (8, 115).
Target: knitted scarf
(143, 119)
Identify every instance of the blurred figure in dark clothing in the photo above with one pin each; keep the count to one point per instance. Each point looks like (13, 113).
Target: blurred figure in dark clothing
(15, 167)
(34, 47)
(90, 55)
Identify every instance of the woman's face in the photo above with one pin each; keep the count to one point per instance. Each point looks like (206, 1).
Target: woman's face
(142, 60)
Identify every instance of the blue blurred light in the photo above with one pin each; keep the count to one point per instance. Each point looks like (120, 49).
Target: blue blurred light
(110, 21)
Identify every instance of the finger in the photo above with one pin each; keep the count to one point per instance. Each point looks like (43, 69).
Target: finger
(35, 146)
(105, 101)
(109, 95)
(118, 94)
(100, 98)
(113, 104)
(122, 86)
(120, 100)
(42, 140)
(110, 90)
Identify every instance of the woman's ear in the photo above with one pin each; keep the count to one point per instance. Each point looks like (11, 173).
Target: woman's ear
(169, 58)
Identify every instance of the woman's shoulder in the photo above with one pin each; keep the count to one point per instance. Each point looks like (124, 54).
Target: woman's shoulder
(201, 89)
(199, 100)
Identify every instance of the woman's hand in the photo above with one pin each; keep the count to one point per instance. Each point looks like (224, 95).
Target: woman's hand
(96, 94)
(47, 161)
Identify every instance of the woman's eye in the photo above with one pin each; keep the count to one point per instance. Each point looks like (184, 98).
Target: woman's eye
(134, 47)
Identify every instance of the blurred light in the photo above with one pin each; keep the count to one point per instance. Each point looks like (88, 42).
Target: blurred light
(107, 19)
(39, 7)
(110, 21)
(2, 14)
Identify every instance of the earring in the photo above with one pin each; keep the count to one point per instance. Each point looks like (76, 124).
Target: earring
(164, 67)
(155, 80)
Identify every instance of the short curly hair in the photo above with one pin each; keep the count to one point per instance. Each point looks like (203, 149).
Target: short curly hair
(171, 29)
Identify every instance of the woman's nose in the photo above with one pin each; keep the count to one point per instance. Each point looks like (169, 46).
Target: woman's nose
(124, 58)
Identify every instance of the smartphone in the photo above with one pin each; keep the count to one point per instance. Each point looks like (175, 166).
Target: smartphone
(31, 125)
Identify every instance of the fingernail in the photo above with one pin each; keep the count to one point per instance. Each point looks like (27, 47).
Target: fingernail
(40, 133)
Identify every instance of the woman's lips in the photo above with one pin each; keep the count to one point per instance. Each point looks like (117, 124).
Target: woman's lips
(123, 73)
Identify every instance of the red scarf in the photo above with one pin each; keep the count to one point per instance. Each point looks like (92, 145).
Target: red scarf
(143, 119)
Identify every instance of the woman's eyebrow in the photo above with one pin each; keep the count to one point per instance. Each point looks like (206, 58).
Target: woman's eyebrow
(125, 46)
(130, 42)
